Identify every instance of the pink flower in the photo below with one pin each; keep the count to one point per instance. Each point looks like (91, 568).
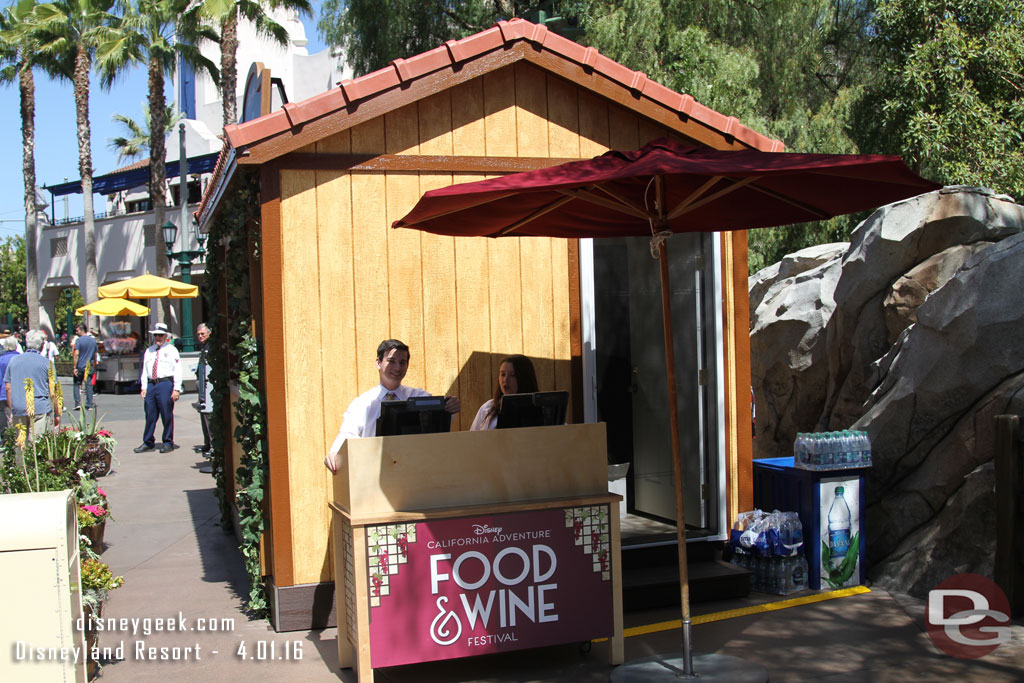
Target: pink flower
(103, 432)
(95, 510)
(101, 492)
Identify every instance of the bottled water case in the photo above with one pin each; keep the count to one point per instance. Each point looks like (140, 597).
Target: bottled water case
(829, 504)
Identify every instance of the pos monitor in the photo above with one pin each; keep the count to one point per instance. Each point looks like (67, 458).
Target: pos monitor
(540, 409)
(417, 415)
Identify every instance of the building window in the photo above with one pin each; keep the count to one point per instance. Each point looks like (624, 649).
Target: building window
(58, 246)
(149, 235)
(138, 206)
(195, 193)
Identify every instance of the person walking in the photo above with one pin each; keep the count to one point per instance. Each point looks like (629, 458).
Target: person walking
(8, 352)
(31, 366)
(49, 350)
(161, 388)
(83, 360)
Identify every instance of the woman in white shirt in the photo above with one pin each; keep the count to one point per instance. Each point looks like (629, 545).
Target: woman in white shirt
(515, 376)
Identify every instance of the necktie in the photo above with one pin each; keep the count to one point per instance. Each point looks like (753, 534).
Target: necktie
(156, 361)
(390, 396)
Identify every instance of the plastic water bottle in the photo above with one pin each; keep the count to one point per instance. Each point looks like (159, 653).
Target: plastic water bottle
(828, 451)
(798, 573)
(865, 450)
(839, 528)
(848, 448)
(798, 534)
(792, 533)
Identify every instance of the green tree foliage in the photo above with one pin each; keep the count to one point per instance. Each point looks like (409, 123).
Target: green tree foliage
(135, 142)
(226, 13)
(66, 303)
(12, 280)
(937, 81)
(373, 33)
(790, 69)
(950, 92)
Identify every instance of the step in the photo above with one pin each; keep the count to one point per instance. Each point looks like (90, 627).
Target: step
(657, 585)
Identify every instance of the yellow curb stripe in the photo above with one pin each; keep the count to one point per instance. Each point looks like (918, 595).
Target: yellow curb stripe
(743, 611)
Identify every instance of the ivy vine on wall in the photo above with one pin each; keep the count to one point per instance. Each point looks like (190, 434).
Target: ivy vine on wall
(234, 359)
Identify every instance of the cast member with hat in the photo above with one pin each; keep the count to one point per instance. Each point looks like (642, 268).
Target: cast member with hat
(161, 387)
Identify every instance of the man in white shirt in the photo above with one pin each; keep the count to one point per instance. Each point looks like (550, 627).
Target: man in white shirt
(361, 417)
(49, 350)
(161, 387)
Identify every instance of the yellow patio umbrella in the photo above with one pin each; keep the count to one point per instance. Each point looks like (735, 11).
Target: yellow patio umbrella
(113, 306)
(149, 287)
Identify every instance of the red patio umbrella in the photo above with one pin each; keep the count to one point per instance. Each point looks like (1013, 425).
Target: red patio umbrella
(662, 188)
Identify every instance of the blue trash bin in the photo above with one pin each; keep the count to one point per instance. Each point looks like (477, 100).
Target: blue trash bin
(835, 556)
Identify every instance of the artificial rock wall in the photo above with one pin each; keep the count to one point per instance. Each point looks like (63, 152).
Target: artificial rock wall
(914, 332)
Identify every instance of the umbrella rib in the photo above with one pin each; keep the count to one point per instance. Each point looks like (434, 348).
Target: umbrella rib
(689, 204)
(620, 204)
(487, 200)
(535, 215)
(800, 205)
(681, 207)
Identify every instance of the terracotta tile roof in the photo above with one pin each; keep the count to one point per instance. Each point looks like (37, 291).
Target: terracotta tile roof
(141, 163)
(504, 35)
(249, 137)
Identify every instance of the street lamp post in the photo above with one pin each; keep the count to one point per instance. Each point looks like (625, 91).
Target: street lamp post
(184, 259)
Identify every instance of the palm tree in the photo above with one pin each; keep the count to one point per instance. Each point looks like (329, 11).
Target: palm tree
(137, 141)
(17, 57)
(155, 32)
(67, 32)
(227, 12)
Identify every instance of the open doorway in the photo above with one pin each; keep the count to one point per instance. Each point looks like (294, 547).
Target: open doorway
(629, 373)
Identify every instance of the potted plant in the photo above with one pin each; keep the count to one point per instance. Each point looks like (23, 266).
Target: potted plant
(97, 582)
(98, 444)
(93, 511)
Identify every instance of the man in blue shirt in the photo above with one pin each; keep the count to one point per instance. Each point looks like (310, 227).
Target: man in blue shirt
(8, 351)
(84, 358)
(31, 365)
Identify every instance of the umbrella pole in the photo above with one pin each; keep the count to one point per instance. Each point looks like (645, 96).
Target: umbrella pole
(677, 465)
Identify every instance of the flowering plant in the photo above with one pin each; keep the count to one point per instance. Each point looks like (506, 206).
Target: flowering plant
(106, 439)
(97, 582)
(92, 500)
(90, 515)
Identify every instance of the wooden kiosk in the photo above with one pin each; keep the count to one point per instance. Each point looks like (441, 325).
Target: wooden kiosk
(467, 543)
(330, 279)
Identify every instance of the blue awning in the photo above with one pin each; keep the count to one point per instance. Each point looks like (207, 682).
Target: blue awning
(124, 180)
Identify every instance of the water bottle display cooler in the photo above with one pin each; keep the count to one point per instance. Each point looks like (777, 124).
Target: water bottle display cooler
(829, 505)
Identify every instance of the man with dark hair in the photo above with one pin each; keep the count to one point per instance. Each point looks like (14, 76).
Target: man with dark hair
(361, 417)
(83, 361)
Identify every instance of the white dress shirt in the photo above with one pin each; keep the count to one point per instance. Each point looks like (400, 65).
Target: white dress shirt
(361, 417)
(168, 364)
(479, 421)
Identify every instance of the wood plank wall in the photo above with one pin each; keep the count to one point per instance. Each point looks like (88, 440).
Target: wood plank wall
(350, 281)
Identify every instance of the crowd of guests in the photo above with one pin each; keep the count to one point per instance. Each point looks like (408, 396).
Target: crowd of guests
(30, 355)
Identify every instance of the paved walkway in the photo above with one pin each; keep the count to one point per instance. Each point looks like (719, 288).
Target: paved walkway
(180, 566)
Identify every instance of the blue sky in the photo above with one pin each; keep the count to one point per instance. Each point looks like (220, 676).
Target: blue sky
(56, 149)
